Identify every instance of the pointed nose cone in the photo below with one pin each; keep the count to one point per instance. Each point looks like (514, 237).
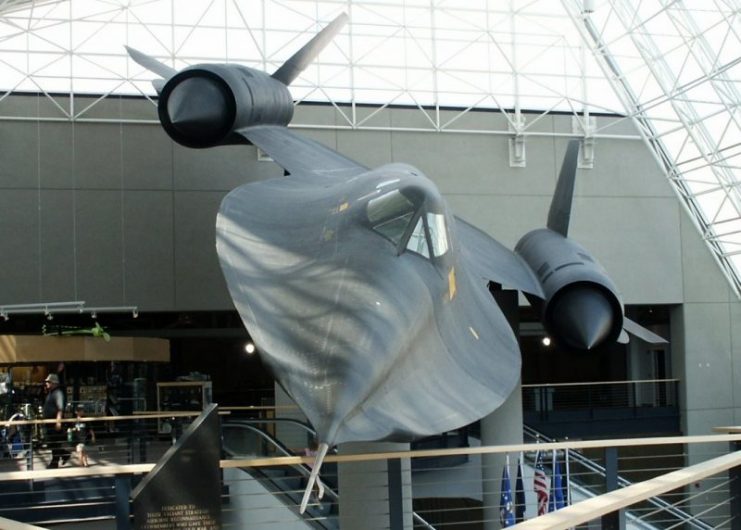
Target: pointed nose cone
(197, 108)
(582, 317)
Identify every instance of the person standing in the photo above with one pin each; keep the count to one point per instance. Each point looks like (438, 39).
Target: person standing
(80, 434)
(53, 410)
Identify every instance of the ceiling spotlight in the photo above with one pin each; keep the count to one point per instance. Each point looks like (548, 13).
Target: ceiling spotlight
(5, 316)
(546, 341)
(249, 348)
(135, 313)
(93, 315)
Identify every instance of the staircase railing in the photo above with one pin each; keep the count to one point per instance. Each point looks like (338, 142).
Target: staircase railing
(278, 448)
(656, 502)
(252, 426)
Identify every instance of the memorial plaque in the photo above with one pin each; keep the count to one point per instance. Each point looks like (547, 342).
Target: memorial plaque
(183, 491)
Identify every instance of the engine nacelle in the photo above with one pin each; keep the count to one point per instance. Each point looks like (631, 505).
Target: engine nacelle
(582, 306)
(204, 105)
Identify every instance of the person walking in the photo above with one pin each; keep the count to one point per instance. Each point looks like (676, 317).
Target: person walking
(53, 409)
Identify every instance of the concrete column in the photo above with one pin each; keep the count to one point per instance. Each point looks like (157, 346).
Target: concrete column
(703, 359)
(501, 427)
(365, 488)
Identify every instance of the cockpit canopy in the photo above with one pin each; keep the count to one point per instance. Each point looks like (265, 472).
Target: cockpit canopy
(408, 226)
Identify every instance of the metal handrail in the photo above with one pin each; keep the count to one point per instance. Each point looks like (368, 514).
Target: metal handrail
(304, 470)
(282, 449)
(634, 394)
(599, 383)
(622, 482)
(249, 421)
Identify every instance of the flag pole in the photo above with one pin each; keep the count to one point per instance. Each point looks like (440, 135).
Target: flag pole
(521, 471)
(506, 502)
(552, 492)
(568, 478)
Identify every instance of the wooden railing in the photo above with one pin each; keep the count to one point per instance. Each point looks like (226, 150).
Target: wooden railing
(717, 465)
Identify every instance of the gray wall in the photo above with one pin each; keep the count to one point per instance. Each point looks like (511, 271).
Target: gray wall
(114, 213)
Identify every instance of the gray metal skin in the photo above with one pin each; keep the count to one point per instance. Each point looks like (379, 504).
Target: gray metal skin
(580, 304)
(371, 342)
(372, 339)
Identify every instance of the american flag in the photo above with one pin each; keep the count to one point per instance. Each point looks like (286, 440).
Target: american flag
(541, 485)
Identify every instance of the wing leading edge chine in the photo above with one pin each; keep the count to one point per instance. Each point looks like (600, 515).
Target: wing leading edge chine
(300, 156)
(490, 260)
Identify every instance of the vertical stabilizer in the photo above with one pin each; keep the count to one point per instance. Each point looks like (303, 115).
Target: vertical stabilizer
(560, 212)
(291, 69)
(153, 65)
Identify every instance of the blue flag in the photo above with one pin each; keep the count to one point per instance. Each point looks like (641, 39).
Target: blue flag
(506, 515)
(519, 494)
(556, 500)
(565, 482)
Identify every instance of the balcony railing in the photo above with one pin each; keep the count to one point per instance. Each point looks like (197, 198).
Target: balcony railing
(611, 408)
(706, 489)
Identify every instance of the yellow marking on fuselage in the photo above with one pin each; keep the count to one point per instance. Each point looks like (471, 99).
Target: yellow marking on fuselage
(344, 206)
(451, 283)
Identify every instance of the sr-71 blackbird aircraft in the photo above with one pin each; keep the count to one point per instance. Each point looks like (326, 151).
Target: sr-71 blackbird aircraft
(362, 291)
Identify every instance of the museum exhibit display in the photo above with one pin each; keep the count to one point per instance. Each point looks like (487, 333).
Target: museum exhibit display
(193, 465)
(363, 292)
(336, 237)
(89, 366)
(181, 396)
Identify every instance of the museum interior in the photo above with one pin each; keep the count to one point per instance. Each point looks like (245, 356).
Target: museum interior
(371, 264)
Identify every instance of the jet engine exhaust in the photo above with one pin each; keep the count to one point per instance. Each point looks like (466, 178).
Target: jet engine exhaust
(581, 316)
(198, 106)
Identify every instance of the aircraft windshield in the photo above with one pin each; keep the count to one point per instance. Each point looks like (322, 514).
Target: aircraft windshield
(391, 215)
(438, 233)
(417, 241)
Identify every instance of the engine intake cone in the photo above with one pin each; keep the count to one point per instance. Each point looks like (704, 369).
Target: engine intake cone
(582, 317)
(198, 110)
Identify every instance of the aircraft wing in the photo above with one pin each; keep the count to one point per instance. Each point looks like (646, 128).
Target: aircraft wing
(491, 260)
(299, 155)
(634, 328)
